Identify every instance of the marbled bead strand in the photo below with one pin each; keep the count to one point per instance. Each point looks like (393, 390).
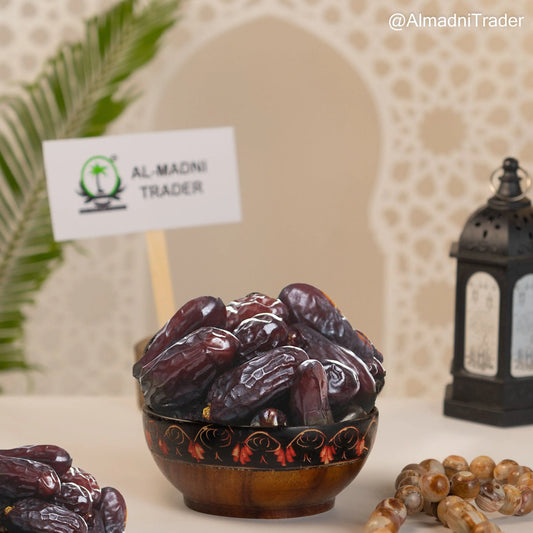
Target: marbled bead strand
(448, 490)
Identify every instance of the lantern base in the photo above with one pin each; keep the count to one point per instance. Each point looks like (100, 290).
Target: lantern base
(485, 414)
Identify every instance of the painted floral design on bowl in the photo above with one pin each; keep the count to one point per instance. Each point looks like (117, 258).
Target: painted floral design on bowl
(280, 448)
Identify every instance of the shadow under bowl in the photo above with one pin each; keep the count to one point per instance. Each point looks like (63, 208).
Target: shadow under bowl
(256, 472)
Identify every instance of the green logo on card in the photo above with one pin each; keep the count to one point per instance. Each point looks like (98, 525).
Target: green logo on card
(100, 184)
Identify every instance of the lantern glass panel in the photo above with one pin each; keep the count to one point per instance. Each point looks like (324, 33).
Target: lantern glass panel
(482, 324)
(522, 333)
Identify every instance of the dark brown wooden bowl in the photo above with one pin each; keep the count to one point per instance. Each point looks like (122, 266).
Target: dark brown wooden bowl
(255, 472)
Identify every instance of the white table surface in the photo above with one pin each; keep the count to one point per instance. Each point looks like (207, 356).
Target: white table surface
(104, 436)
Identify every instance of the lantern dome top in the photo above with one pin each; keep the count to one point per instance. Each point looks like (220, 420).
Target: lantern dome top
(503, 228)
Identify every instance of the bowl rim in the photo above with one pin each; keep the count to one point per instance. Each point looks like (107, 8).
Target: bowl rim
(374, 412)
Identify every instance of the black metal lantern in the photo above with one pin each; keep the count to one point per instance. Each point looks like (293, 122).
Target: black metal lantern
(493, 350)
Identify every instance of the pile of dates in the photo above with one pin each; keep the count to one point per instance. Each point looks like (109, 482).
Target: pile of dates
(262, 361)
(41, 492)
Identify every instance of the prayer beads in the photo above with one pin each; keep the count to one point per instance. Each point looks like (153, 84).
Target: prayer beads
(456, 493)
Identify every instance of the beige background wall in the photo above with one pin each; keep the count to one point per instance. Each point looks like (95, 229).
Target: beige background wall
(361, 152)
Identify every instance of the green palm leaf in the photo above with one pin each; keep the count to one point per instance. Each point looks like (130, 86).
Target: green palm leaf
(75, 96)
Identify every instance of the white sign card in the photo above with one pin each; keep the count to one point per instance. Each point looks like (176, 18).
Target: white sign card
(121, 184)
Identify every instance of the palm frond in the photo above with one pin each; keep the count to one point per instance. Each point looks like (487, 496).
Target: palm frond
(76, 95)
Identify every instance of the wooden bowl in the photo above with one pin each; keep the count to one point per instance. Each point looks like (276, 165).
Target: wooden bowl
(256, 472)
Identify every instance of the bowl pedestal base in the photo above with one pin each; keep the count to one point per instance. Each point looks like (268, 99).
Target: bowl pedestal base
(249, 493)
(240, 511)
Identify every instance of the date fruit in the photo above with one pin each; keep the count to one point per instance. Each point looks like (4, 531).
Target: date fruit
(260, 333)
(183, 372)
(343, 386)
(74, 497)
(54, 456)
(253, 304)
(320, 347)
(21, 478)
(198, 312)
(33, 515)
(309, 395)
(77, 475)
(241, 391)
(113, 510)
(311, 306)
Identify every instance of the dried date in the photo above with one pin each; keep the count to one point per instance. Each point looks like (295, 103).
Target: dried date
(238, 393)
(260, 333)
(199, 312)
(320, 347)
(113, 510)
(313, 307)
(21, 478)
(33, 515)
(74, 497)
(343, 386)
(253, 304)
(84, 479)
(184, 371)
(309, 402)
(54, 456)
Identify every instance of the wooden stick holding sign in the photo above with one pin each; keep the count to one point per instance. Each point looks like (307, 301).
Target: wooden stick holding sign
(156, 245)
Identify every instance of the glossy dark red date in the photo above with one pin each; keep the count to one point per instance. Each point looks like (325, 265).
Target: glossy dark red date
(38, 516)
(74, 497)
(84, 479)
(112, 507)
(241, 391)
(343, 387)
(20, 478)
(260, 333)
(55, 456)
(253, 304)
(184, 371)
(311, 306)
(309, 402)
(199, 312)
(319, 347)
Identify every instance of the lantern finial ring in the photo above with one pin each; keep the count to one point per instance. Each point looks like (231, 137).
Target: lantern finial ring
(511, 165)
